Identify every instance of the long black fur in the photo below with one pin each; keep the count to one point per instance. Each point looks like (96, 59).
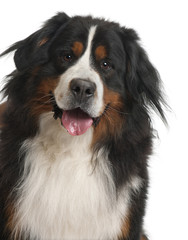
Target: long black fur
(140, 89)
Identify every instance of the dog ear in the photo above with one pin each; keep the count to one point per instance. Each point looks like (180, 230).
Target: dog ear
(33, 50)
(142, 79)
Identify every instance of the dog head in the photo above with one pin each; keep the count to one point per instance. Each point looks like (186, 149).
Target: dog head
(93, 70)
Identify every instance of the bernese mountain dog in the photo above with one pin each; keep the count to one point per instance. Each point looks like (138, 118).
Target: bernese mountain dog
(76, 133)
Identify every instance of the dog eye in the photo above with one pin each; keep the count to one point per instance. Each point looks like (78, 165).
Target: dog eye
(68, 57)
(106, 65)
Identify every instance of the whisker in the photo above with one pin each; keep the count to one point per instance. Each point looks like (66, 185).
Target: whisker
(47, 95)
(38, 100)
(105, 114)
(51, 100)
(125, 113)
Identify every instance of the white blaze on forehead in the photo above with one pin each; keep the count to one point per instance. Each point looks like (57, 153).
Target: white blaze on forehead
(86, 57)
(82, 69)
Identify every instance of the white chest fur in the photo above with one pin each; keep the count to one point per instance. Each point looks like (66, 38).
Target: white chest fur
(61, 195)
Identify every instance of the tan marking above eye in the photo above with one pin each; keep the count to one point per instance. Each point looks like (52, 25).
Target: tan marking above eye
(100, 52)
(77, 48)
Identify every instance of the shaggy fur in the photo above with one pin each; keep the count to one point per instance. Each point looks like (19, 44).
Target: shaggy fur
(93, 186)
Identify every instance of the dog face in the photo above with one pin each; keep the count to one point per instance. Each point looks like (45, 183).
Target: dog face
(89, 66)
(80, 85)
(95, 70)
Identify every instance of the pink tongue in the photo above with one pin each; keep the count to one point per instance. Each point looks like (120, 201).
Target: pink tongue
(76, 121)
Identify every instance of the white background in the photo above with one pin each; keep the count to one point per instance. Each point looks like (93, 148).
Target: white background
(163, 28)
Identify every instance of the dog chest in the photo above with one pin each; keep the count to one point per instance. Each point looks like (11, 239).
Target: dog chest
(63, 195)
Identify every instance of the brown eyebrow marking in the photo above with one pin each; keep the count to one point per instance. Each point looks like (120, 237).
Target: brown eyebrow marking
(100, 52)
(77, 48)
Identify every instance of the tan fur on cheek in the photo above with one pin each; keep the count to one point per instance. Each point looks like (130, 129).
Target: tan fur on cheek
(112, 119)
(41, 101)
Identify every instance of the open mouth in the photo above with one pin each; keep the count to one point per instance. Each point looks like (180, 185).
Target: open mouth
(75, 121)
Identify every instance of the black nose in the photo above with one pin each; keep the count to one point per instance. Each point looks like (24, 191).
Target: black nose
(82, 89)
